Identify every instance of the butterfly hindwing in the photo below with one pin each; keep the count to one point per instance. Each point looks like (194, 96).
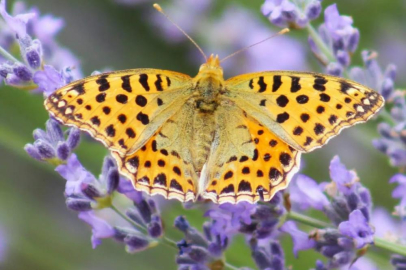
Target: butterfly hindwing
(248, 162)
(164, 164)
(304, 109)
(121, 109)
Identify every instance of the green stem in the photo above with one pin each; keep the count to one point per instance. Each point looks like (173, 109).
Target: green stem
(308, 220)
(389, 246)
(230, 266)
(138, 226)
(379, 242)
(7, 55)
(319, 42)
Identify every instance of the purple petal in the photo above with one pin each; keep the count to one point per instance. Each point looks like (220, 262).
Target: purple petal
(126, 187)
(358, 229)
(341, 176)
(100, 228)
(300, 239)
(305, 193)
(48, 80)
(75, 174)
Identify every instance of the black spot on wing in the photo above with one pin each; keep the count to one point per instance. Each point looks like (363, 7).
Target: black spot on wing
(277, 82)
(79, 87)
(262, 85)
(160, 179)
(103, 83)
(345, 86)
(244, 186)
(126, 85)
(295, 86)
(158, 83)
(144, 81)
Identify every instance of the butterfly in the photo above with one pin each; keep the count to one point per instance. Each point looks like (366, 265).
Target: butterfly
(225, 140)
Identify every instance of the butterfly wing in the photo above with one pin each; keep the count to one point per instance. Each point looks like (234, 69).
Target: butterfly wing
(121, 109)
(164, 165)
(304, 109)
(248, 161)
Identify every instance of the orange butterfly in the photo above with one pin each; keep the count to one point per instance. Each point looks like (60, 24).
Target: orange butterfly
(227, 140)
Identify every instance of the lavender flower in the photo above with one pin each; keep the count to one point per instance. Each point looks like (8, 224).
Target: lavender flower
(349, 207)
(49, 79)
(16, 23)
(306, 193)
(301, 240)
(335, 41)
(373, 76)
(358, 229)
(400, 193)
(284, 13)
(268, 257)
(83, 191)
(34, 52)
(100, 228)
(50, 145)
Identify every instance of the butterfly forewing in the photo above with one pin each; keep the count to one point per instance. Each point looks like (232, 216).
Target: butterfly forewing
(120, 109)
(248, 162)
(303, 109)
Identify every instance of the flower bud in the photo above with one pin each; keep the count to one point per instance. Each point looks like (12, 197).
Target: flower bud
(22, 72)
(90, 190)
(45, 150)
(73, 138)
(313, 10)
(78, 204)
(62, 150)
(155, 227)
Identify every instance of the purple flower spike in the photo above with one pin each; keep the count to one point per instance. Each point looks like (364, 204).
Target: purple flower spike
(301, 240)
(306, 193)
(358, 229)
(17, 23)
(100, 228)
(343, 178)
(50, 145)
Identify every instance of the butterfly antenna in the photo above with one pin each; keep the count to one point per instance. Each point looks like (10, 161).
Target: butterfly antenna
(283, 31)
(159, 8)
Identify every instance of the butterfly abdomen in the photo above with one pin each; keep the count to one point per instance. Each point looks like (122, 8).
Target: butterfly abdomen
(203, 134)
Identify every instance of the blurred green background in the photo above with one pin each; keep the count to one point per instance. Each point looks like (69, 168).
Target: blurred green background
(40, 231)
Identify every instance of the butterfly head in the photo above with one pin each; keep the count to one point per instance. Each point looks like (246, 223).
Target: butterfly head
(212, 65)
